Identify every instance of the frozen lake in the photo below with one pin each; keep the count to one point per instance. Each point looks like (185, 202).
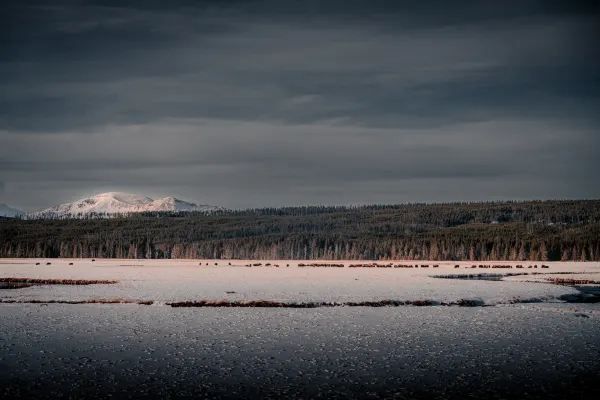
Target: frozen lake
(547, 349)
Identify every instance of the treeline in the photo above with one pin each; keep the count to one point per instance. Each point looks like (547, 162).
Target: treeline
(535, 230)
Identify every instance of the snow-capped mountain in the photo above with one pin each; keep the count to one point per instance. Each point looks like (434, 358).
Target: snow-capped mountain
(8, 211)
(115, 203)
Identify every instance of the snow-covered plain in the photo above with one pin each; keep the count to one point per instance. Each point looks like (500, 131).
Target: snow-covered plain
(543, 350)
(165, 281)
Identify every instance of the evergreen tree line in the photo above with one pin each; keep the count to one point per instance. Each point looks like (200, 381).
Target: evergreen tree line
(535, 230)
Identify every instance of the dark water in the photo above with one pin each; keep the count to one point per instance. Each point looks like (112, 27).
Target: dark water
(587, 294)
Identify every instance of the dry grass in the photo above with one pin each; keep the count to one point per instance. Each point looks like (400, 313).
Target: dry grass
(13, 285)
(569, 282)
(90, 301)
(33, 281)
(279, 304)
(252, 303)
(482, 275)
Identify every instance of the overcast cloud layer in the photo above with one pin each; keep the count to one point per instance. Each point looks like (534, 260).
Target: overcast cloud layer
(267, 103)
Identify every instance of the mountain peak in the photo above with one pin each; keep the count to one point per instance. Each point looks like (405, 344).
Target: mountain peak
(119, 203)
(123, 197)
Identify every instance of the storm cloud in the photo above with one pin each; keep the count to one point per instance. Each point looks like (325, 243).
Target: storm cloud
(267, 103)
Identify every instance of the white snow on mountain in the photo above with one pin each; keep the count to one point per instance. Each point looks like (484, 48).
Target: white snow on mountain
(116, 203)
(8, 211)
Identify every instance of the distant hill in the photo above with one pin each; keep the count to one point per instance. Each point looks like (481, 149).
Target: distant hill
(531, 230)
(8, 211)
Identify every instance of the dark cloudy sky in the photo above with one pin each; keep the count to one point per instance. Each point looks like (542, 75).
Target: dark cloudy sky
(266, 103)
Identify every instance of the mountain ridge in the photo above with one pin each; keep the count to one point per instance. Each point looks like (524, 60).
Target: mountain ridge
(118, 203)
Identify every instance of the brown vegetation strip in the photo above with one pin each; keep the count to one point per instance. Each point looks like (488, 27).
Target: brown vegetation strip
(503, 275)
(478, 276)
(568, 282)
(57, 281)
(253, 303)
(578, 298)
(278, 304)
(261, 303)
(91, 301)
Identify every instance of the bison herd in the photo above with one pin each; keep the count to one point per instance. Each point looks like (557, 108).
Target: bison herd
(387, 265)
